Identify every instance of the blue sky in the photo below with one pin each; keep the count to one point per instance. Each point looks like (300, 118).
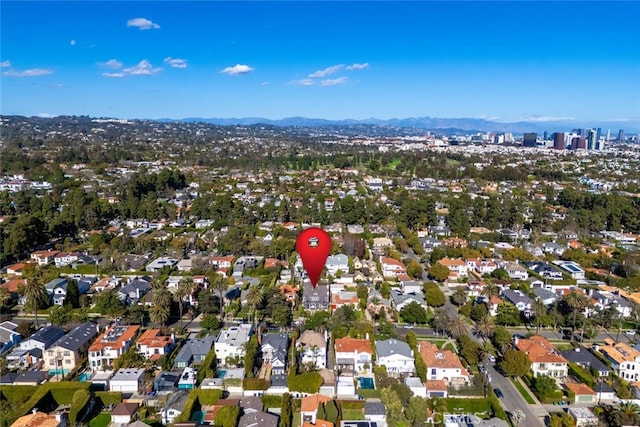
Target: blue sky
(500, 60)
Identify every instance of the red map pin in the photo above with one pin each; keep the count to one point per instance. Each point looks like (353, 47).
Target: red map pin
(313, 245)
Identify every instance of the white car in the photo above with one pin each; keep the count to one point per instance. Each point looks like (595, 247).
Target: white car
(630, 332)
(491, 358)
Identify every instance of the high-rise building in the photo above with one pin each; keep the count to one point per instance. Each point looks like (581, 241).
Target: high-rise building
(592, 140)
(621, 135)
(579, 143)
(530, 139)
(545, 135)
(558, 141)
(608, 135)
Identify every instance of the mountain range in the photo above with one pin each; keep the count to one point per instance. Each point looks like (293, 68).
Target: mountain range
(433, 123)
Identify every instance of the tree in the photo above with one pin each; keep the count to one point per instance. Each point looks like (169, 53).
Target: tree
(500, 274)
(227, 416)
(5, 297)
(363, 293)
(576, 301)
(218, 283)
(395, 410)
(413, 313)
(459, 297)
(210, 322)
(515, 363)
(250, 354)
(286, 414)
(433, 295)
(486, 326)
(625, 413)
(439, 272)
(501, 338)
(254, 298)
(458, 327)
(331, 411)
(507, 314)
(322, 413)
(469, 349)
(281, 315)
(414, 269)
(539, 310)
(33, 290)
(185, 287)
(73, 294)
(108, 303)
(544, 386)
(438, 408)
(491, 290)
(159, 314)
(478, 312)
(415, 411)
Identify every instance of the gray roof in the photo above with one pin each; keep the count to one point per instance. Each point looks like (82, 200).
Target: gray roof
(393, 346)
(258, 419)
(374, 408)
(128, 374)
(516, 296)
(35, 377)
(251, 403)
(279, 380)
(197, 346)
(399, 298)
(584, 357)
(177, 400)
(280, 344)
(78, 337)
(47, 335)
(543, 293)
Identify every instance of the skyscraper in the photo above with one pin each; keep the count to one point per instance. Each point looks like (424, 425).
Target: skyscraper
(592, 140)
(579, 143)
(558, 141)
(529, 139)
(621, 135)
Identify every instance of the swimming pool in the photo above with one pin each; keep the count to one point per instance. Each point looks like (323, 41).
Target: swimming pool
(84, 377)
(198, 416)
(58, 371)
(366, 383)
(222, 373)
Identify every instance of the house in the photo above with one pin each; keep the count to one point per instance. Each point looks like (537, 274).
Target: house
(584, 417)
(515, 271)
(8, 336)
(174, 406)
(43, 257)
(571, 268)
(582, 392)
(436, 388)
(353, 354)
(187, 379)
(57, 290)
(166, 381)
(123, 414)
(218, 262)
(315, 298)
(586, 360)
(309, 407)
(392, 267)
(274, 348)
(545, 270)
(160, 263)
(338, 262)
(544, 357)
(32, 378)
(127, 380)
(545, 295)
(134, 262)
(625, 360)
(375, 412)
(258, 419)
(16, 269)
(312, 349)
(396, 355)
(343, 298)
(457, 267)
(71, 348)
(43, 338)
(481, 266)
(62, 259)
(442, 365)
(604, 299)
(134, 290)
(416, 386)
(112, 344)
(153, 345)
(411, 287)
(193, 351)
(522, 302)
(553, 248)
(400, 300)
(40, 419)
(230, 343)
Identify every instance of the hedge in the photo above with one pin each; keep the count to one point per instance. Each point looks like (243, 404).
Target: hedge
(351, 404)
(78, 405)
(61, 393)
(305, 383)
(17, 393)
(496, 408)
(581, 374)
(469, 405)
(109, 397)
(369, 393)
(255, 384)
(271, 401)
(196, 398)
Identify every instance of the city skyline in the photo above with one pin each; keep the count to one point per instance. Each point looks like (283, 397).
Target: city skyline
(500, 61)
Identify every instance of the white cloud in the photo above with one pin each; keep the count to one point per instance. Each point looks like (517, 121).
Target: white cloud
(357, 66)
(303, 82)
(5, 64)
(112, 63)
(334, 82)
(45, 115)
(175, 62)
(32, 72)
(546, 118)
(237, 69)
(320, 74)
(72, 42)
(265, 83)
(142, 68)
(56, 85)
(142, 23)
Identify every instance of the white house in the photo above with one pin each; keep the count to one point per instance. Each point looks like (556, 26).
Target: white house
(416, 386)
(274, 348)
(353, 354)
(516, 271)
(396, 356)
(337, 262)
(123, 414)
(442, 365)
(312, 349)
(392, 267)
(112, 344)
(571, 268)
(230, 343)
(127, 380)
(625, 360)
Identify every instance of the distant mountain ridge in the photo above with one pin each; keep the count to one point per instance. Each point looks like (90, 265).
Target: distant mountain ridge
(432, 123)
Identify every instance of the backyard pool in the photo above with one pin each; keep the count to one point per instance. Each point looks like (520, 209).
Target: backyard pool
(198, 416)
(222, 373)
(84, 377)
(366, 383)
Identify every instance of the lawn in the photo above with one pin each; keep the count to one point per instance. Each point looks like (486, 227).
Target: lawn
(353, 414)
(102, 420)
(523, 391)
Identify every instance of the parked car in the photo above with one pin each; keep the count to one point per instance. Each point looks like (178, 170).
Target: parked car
(491, 358)
(630, 332)
(498, 393)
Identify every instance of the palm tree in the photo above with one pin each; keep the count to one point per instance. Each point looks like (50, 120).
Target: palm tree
(441, 320)
(458, 327)
(486, 327)
(576, 301)
(219, 286)
(491, 290)
(625, 413)
(34, 291)
(185, 287)
(539, 309)
(254, 297)
(162, 297)
(159, 314)
(459, 297)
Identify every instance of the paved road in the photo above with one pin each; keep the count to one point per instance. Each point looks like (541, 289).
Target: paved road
(535, 414)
